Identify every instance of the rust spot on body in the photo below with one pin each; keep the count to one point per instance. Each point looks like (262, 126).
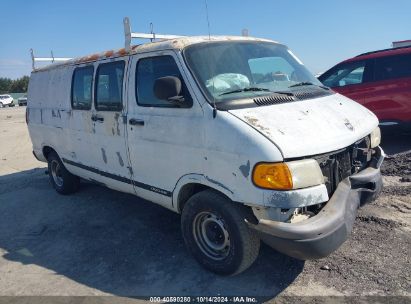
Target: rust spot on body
(109, 54)
(122, 52)
(255, 123)
(94, 57)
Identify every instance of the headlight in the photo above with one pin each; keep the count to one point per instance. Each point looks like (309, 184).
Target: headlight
(375, 137)
(286, 176)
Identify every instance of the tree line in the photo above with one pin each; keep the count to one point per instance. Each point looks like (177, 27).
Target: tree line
(18, 85)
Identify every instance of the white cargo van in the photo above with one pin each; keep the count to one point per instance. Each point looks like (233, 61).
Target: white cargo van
(234, 133)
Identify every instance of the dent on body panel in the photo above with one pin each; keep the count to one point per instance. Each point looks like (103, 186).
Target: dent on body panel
(218, 184)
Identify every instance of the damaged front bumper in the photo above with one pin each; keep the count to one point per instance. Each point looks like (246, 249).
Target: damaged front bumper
(323, 233)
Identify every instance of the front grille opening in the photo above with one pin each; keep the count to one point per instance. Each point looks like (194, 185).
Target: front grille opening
(344, 163)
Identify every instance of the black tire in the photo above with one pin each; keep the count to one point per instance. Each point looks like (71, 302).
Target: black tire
(63, 181)
(223, 221)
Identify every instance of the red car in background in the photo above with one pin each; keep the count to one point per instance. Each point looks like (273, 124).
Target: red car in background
(380, 81)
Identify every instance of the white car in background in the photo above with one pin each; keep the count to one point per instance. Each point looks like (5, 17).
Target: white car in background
(6, 100)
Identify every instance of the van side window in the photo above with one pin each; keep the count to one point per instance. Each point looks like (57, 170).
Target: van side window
(392, 67)
(148, 70)
(109, 86)
(81, 88)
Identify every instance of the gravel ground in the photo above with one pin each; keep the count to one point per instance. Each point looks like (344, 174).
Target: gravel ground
(102, 242)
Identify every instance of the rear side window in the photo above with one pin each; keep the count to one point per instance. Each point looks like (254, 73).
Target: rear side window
(392, 67)
(148, 70)
(109, 86)
(81, 88)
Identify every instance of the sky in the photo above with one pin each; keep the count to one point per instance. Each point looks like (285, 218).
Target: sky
(321, 33)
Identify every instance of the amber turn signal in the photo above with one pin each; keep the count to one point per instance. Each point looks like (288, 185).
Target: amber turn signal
(273, 176)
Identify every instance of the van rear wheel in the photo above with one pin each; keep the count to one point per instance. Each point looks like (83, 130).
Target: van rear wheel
(216, 234)
(63, 181)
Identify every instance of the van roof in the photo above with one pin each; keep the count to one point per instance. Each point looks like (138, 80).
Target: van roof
(169, 44)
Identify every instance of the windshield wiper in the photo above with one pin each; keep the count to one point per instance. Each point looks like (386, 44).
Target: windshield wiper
(307, 83)
(255, 89)
(250, 89)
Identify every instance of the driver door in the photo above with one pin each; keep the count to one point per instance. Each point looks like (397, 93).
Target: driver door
(164, 140)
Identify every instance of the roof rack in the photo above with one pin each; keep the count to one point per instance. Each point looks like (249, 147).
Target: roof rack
(152, 36)
(384, 50)
(128, 36)
(45, 59)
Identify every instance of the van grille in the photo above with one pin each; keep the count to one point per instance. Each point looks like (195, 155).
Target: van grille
(342, 164)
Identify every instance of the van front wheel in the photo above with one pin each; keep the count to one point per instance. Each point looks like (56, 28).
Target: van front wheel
(216, 234)
(63, 181)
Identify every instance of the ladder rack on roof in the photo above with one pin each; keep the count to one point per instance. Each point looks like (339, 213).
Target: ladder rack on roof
(128, 36)
(152, 36)
(45, 59)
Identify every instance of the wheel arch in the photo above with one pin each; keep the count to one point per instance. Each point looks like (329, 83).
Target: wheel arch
(46, 150)
(190, 184)
(187, 191)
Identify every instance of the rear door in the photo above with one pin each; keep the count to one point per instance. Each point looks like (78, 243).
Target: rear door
(389, 95)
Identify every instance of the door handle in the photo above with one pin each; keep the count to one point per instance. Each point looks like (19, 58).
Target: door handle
(135, 122)
(97, 118)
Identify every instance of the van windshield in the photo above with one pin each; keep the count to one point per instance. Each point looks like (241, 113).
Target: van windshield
(245, 69)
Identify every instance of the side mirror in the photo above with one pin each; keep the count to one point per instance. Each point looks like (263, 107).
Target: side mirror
(169, 88)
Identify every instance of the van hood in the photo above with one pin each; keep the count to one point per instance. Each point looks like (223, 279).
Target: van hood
(311, 127)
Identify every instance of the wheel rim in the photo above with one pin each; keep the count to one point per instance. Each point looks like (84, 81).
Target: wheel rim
(211, 235)
(56, 173)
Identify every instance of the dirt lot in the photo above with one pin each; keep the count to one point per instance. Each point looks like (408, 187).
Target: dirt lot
(102, 242)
